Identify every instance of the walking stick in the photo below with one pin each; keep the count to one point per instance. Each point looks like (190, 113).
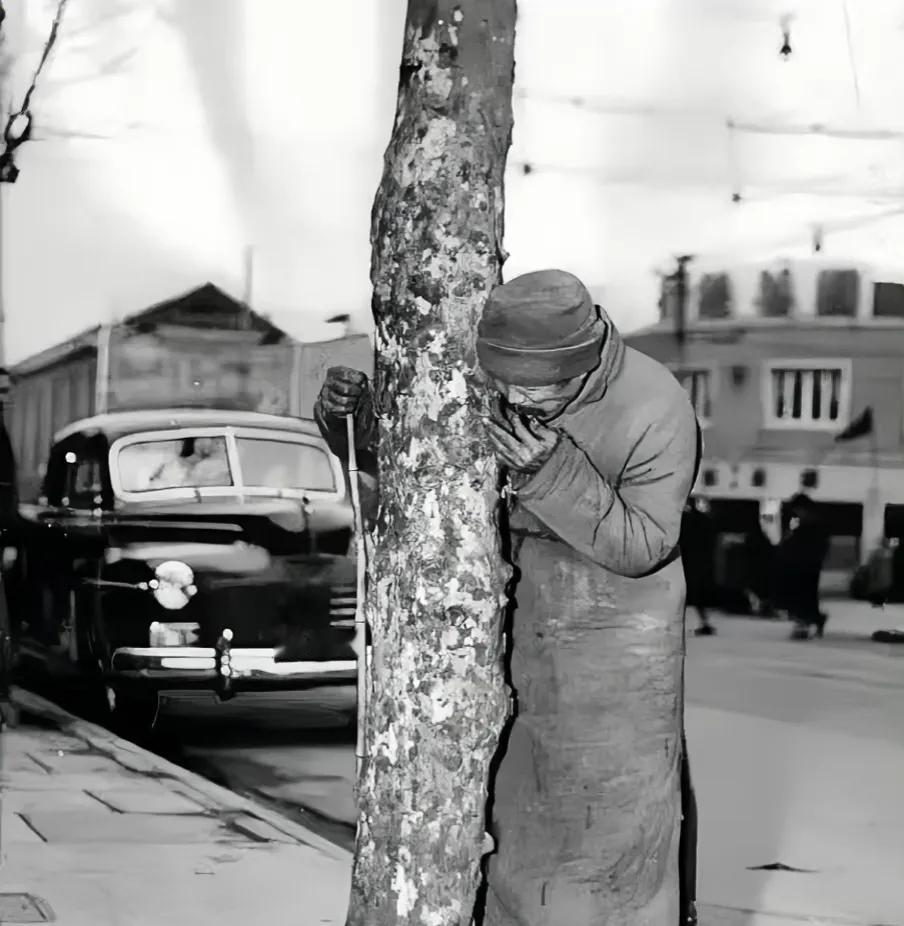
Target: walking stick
(360, 622)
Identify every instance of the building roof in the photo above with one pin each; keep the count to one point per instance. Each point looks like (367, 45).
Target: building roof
(206, 306)
(120, 424)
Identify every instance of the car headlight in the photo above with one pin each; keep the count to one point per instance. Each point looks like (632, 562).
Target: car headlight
(174, 584)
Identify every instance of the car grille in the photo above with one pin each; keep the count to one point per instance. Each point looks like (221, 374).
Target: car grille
(343, 602)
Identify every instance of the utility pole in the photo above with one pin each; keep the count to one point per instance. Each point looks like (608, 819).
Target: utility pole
(681, 293)
(248, 287)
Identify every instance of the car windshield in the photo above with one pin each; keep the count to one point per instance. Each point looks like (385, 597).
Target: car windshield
(280, 464)
(187, 462)
(203, 462)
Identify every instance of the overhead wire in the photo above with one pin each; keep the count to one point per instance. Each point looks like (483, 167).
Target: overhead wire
(850, 46)
(741, 191)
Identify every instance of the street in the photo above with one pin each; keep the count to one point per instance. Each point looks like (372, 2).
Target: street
(797, 752)
(796, 749)
(293, 750)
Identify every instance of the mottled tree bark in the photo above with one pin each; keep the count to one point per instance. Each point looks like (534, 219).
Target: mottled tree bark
(436, 581)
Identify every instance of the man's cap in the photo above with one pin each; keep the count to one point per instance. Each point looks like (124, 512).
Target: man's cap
(540, 328)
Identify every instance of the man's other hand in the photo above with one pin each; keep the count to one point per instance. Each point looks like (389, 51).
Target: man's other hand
(522, 446)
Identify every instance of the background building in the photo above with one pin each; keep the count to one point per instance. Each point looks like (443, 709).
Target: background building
(200, 348)
(780, 358)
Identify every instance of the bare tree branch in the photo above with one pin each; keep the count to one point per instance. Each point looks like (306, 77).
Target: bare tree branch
(18, 125)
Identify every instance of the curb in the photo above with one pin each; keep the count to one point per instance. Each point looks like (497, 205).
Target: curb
(140, 760)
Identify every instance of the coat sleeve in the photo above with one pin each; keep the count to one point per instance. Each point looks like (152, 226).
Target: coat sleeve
(335, 434)
(631, 524)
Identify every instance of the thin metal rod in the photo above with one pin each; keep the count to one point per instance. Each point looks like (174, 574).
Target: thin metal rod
(360, 622)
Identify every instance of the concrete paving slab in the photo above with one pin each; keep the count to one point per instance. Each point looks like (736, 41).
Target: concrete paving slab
(149, 799)
(24, 738)
(23, 908)
(14, 830)
(85, 762)
(20, 764)
(42, 782)
(56, 799)
(138, 885)
(103, 827)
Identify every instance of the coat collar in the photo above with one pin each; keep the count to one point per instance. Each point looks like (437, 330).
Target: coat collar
(612, 356)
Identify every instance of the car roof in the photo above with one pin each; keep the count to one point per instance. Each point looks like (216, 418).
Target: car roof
(114, 425)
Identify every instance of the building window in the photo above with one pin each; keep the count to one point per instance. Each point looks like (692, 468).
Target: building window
(698, 384)
(776, 296)
(837, 293)
(888, 300)
(715, 296)
(804, 394)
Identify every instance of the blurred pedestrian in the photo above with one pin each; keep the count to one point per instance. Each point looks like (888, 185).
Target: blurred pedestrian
(698, 553)
(880, 572)
(759, 561)
(802, 553)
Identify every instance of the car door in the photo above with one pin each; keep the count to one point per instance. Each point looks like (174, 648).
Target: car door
(42, 546)
(86, 496)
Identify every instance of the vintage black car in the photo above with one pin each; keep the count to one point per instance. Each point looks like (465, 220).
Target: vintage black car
(185, 549)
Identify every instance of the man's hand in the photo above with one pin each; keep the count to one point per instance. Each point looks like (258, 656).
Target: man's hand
(343, 392)
(522, 447)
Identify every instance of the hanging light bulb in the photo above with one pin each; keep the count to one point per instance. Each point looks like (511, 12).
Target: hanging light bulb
(817, 238)
(786, 50)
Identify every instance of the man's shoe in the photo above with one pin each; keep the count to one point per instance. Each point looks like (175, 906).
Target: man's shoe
(707, 630)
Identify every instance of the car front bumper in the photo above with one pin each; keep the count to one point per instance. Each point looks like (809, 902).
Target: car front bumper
(177, 667)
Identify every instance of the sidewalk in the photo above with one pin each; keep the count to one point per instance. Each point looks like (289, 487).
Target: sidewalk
(95, 831)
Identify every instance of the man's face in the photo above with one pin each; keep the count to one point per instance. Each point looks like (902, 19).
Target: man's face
(543, 402)
(204, 447)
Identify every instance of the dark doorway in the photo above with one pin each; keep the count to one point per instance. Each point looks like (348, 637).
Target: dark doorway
(843, 522)
(894, 527)
(737, 523)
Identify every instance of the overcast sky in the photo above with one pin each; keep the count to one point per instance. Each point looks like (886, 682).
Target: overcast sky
(173, 134)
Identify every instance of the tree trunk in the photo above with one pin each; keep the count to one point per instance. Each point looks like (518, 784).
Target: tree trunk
(437, 699)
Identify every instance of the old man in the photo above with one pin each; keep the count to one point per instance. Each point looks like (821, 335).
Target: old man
(601, 448)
